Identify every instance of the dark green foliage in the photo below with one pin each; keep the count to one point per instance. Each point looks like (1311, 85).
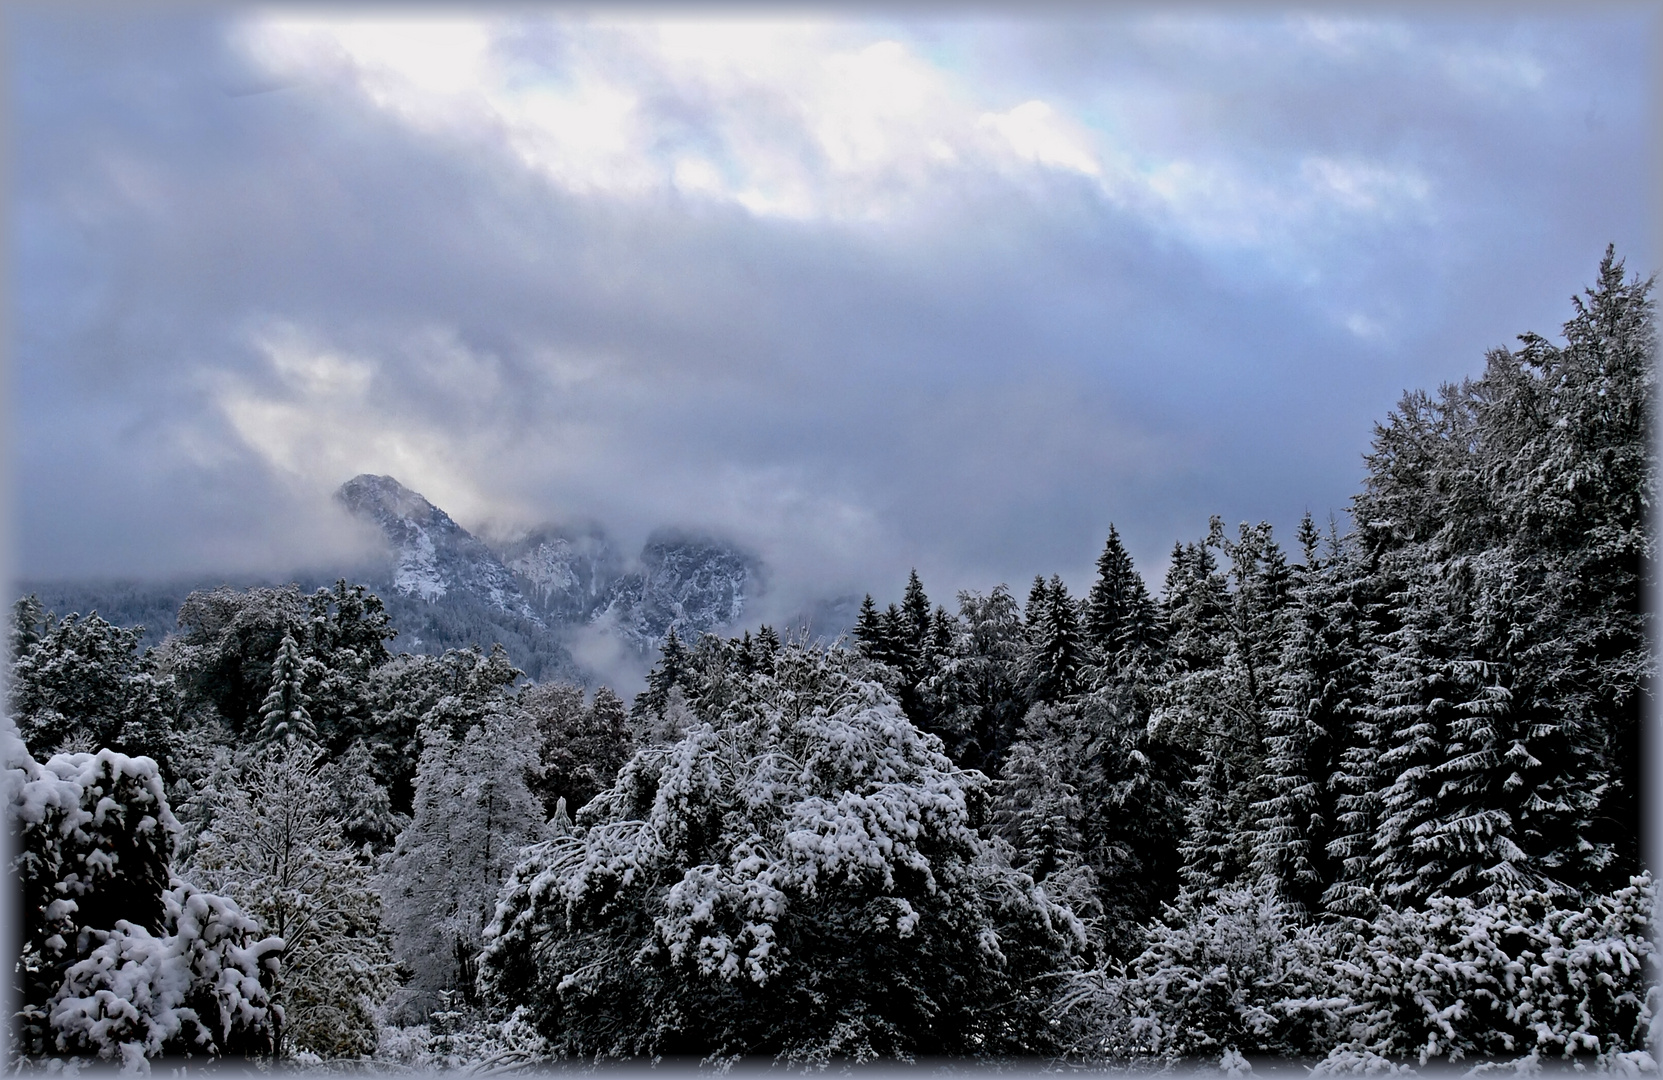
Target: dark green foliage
(1092, 807)
(455, 690)
(283, 715)
(80, 684)
(1320, 689)
(1120, 617)
(1211, 699)
(581, 748)
(228, 640)
(1054, 657)
(976, 694)
(672, 670)
(1507, 521)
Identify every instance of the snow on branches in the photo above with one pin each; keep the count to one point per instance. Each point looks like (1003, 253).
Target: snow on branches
(801, 875)
(121, 961)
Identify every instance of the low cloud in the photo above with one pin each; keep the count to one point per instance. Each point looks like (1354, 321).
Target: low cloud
(859, 295)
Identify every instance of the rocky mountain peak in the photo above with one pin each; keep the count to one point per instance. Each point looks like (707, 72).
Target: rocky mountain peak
(432, 555)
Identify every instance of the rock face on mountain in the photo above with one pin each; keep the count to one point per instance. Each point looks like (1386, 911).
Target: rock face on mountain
(433, 556)
(548, 583)
(567, 574)
(691, 583)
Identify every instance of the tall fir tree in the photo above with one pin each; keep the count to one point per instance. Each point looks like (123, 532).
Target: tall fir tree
(1054, 658)
(1119, 614)
(1321, 685)
(283, 715)
(977, 689)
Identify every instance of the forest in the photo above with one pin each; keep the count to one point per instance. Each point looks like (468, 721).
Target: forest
(1372, 799)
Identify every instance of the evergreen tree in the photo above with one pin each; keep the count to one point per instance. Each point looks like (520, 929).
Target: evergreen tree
(977, 692)
(79, 684)
(1055, 656)
(360, 802)
(1091, 806)
(118, 960)
(914, 624)
(801, 876)
(459, 688)
(474, 812)
(868, 632)
(673, 669)
(283, 715)
(275, 848)
(1321, 686)
(1119, 614)
(1224, 638)
(1039, 810)
(1506, 517)
(580, 749)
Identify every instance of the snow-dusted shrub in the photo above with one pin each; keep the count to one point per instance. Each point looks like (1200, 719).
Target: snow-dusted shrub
(201, 988)
(462, 1039)
(1519, 978)
(1519, 981)
(1215, 976)
(118, 959)
(801, 876)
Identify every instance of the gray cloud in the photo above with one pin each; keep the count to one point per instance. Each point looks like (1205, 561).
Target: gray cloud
(238, 284)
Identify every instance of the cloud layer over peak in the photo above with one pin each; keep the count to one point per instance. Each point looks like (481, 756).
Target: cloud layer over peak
(862, 294)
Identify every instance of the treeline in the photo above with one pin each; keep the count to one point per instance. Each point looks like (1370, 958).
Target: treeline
(1375, 800)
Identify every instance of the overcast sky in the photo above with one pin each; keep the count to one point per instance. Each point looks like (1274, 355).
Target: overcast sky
(859, 293)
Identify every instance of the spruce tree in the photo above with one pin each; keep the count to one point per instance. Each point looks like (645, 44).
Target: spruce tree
(1054, 659)
(1119, 614)
(283, 715)
(977, 693)
(915, 620)
(673, 669)
(869, 632)
(1321, 686)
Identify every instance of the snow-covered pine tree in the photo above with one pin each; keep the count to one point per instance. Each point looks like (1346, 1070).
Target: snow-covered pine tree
(80, 684)
(915, 620)
(1322, 683)
(672, 670)
(1119, 614)
(1038, 807)
(767, 646)
(1087, 799)
(1571, 467)
(119, 961)
(1055, 654)
(283, 714)
(579, 749)
(360, 801)
(346, 634)
(222, 655)
(275, 848)
(409, 688)
(1193, 608)
(1506, 522)
(1224, 639)
(474, 812)
(976, 690)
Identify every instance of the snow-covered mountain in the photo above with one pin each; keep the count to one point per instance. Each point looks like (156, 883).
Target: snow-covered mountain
(567, 573)
(432, 555)
(691, 583)
(557, 578)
